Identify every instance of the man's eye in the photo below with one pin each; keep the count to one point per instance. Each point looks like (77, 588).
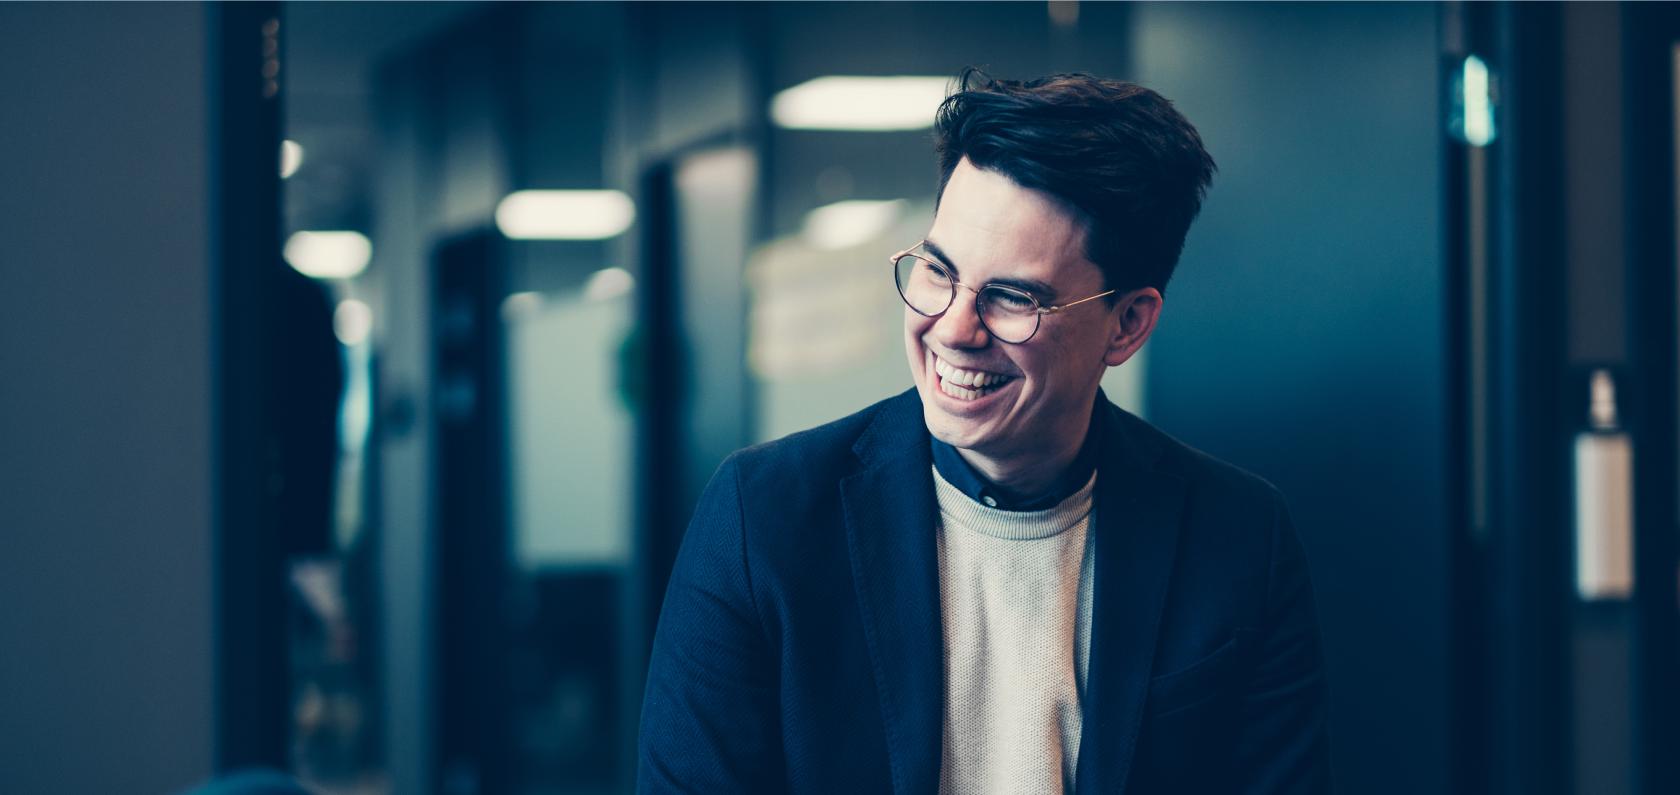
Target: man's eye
(935, 273)
(1013, 302)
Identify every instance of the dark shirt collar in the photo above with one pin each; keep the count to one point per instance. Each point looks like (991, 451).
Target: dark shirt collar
(961, 474)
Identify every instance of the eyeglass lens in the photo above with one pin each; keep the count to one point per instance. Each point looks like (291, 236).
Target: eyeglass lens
(928, 289)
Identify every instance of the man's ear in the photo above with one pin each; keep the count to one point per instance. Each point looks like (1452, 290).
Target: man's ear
(1135, 314)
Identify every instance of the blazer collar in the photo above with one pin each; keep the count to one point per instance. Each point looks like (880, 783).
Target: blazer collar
(890, 516)
(1138, 506)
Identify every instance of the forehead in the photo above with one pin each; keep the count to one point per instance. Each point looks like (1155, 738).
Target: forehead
(989, 225)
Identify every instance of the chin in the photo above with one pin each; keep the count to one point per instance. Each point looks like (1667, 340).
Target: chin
(944, 429)
(964, 432)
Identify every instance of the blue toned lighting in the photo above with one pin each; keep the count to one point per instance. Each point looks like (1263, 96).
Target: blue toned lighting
(352, 322)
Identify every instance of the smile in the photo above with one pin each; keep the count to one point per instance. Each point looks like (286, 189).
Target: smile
(967, 384)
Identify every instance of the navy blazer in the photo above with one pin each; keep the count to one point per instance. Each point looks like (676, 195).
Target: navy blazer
(799, 648)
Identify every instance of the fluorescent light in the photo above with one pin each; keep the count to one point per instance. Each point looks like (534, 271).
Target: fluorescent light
(1478, 103)
(522, 305)
(291, 158)
(608, 283)
(328, 255)
(850, 223)
(860, 103)
(352, 322)
(565, 214)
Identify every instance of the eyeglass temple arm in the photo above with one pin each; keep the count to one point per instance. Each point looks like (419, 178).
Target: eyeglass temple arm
(1051, 310)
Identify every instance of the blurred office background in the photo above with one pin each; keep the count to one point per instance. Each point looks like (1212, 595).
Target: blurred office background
(362, 362)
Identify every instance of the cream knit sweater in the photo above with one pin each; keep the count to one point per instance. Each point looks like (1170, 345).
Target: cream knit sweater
(1015, 593)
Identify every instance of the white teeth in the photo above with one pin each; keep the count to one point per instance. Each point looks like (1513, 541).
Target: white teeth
(956, 391)
(959, 377)
(966, 384)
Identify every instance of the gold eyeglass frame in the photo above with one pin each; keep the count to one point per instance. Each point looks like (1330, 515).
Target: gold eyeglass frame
(1038, 308)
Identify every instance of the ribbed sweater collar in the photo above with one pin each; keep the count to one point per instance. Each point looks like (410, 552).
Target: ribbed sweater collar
(958, 509)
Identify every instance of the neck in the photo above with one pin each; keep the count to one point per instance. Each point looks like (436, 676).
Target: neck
(1032, 472)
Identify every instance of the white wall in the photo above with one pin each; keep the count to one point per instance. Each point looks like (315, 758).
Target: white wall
(105, 426)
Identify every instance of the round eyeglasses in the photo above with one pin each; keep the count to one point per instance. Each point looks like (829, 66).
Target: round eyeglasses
(1009, 314)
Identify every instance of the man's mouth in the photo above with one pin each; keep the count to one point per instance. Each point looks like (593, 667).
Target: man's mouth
(967, 384)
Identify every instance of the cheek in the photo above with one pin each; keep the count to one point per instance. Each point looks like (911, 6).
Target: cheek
(914, 327)
(1049, 371)
(1067, 372)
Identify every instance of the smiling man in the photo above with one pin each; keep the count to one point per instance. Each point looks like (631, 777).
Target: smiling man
(999, 581)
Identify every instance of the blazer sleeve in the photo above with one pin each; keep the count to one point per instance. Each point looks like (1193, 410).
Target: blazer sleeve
(709, 712)
(1284, 746)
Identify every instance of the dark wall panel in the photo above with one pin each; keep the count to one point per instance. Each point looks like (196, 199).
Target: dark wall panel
(1303, 337)
(105, 413)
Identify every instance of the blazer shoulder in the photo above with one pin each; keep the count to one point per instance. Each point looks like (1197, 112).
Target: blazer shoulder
(1209, 477)
(817, 458)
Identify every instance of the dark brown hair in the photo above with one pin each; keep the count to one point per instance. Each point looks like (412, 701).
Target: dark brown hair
(1119, 155)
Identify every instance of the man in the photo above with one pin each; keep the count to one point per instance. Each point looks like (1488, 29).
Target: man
(999, 581)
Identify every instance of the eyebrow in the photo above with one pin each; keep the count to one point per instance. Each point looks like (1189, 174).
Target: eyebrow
(1034, 286)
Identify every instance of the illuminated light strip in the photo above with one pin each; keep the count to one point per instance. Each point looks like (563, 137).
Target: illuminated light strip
(860, 103)
(565, 214)
(1478, 103)
(328, 255)
(842, 225)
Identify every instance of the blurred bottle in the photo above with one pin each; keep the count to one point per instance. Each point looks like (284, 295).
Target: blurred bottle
(1603, 499)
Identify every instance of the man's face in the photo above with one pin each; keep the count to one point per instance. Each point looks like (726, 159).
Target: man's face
(989, 229)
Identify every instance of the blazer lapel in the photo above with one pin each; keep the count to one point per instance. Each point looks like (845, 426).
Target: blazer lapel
(890, 515)
(1138, 511)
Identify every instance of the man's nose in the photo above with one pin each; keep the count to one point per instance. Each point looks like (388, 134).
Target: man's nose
(960, 326)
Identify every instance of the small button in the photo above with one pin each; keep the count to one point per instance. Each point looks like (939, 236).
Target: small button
(991, 502)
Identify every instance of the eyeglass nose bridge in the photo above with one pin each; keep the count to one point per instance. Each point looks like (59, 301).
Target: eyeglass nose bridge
(980, 314)
(954, 285)
(976, 290)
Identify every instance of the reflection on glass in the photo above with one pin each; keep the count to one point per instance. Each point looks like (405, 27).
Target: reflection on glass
(568, 429)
